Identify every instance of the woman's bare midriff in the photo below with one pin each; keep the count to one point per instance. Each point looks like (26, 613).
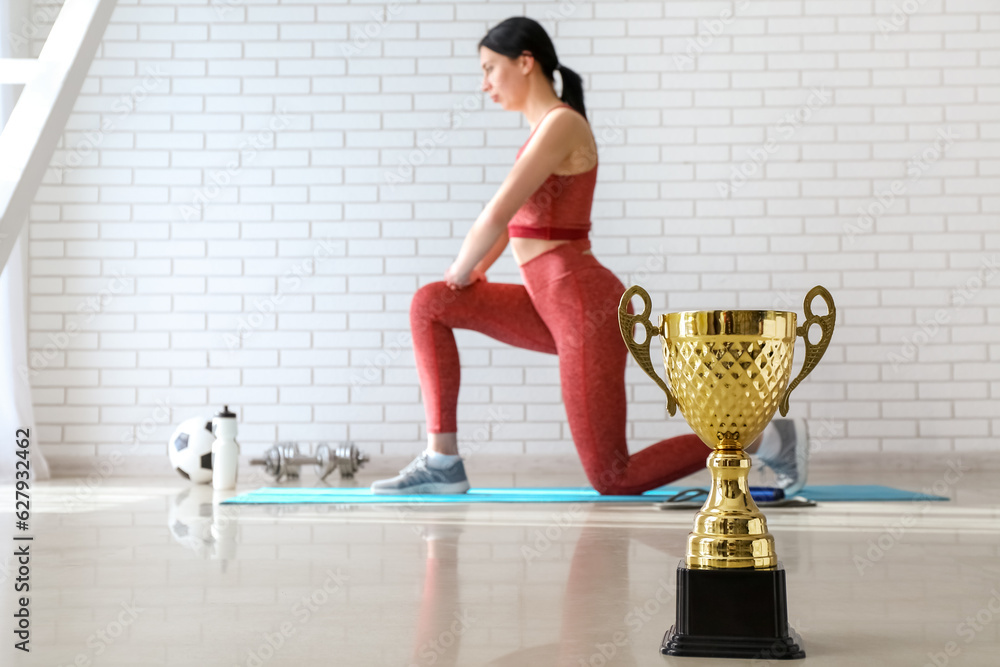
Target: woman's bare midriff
(525, 249)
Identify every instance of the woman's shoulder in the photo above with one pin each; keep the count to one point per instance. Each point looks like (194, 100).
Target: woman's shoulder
(573, 123)
(566, 111)
(567, 118)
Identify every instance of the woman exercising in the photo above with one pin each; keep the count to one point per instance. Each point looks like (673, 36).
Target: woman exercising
(567, 305)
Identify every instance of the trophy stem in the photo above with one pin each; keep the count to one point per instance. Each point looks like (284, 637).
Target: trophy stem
(730, 531)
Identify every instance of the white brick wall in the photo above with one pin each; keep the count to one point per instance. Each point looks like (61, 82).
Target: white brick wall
(216, 148)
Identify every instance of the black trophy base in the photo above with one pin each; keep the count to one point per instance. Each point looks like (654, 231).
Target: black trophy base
(782, 648)
(739, 613)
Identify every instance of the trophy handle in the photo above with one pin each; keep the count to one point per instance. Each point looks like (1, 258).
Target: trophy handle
(640, 351)
(814, 351)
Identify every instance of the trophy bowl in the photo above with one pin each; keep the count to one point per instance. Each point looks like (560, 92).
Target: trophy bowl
(728, 370)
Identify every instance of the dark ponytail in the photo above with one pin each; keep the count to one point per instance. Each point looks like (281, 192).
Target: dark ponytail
(572, 89)
(518, 34)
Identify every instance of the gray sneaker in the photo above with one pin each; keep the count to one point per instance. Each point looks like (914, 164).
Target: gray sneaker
(418, 477)
(790, 464)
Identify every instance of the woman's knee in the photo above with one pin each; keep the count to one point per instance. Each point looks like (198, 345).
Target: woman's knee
(611, 488)
(607, 475)
(431, 299)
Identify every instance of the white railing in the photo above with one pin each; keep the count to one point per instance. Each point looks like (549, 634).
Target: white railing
(51, 82)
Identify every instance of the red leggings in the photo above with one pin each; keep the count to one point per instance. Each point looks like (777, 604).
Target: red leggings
(568, 305)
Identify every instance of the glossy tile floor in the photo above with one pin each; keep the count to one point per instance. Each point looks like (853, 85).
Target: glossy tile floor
(149, 572)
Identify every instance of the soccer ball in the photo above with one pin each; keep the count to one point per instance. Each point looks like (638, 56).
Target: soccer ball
(190, 449)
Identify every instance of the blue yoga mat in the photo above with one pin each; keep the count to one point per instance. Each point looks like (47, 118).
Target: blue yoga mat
(357, 496)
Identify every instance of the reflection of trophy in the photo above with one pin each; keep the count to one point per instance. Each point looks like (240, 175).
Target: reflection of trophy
(728, 371)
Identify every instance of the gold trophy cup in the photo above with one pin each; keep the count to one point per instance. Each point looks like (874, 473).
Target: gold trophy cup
(728, 372)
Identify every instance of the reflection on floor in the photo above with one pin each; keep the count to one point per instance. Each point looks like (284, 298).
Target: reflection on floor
(152, 572)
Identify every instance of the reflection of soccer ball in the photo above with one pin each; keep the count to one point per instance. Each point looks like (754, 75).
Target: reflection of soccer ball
(191, 449)
(190, 520)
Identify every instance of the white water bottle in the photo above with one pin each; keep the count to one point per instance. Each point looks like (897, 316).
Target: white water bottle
(225, 451)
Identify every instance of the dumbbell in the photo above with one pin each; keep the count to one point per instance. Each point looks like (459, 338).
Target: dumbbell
(284, 460)
(345, 457)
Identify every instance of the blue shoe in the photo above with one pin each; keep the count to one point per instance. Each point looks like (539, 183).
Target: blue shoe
(418, 477)
(788, 457)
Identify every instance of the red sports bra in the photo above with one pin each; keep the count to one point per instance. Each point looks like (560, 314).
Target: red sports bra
(559, 208)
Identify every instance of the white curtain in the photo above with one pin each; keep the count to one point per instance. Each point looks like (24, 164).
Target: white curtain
(16, 410)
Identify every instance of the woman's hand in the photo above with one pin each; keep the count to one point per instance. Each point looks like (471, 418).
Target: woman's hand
(456, 280)
(477, 275)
